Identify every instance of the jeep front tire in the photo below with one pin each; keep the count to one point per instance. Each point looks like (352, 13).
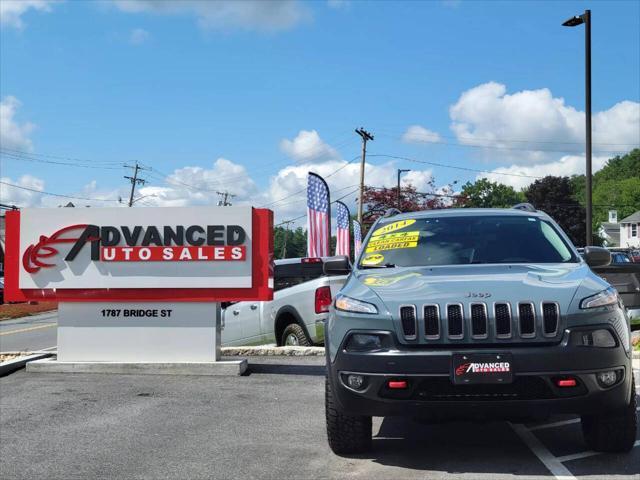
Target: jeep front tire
(613, 431)
(347, 434)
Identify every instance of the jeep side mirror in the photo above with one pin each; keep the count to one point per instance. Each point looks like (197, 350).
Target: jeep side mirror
(339, 265)
(597, 256)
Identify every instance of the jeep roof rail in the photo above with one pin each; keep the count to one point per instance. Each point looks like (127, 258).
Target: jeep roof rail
(390, 212)
(527, 207)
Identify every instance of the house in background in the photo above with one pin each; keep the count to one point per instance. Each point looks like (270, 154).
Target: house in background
(630, 230)
(610, 231)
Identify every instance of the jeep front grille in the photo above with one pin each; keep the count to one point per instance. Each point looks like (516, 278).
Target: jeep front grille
(431, 321)
(550, 318)
(527, 319)
(479, 328)
(502, 312)
(409, 322)
(455, 321)
(481, 322)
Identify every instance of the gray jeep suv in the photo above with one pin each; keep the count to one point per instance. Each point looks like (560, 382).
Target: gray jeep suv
(488, 313)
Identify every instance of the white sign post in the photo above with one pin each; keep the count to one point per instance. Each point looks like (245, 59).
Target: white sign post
(139, 289)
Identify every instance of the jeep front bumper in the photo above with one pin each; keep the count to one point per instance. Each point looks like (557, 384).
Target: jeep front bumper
(430, 391)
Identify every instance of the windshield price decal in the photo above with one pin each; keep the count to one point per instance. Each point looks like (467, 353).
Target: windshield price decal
(393, 241)
(392, 227)
(374, 259)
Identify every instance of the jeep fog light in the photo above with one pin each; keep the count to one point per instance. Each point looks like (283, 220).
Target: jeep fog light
(355, 381)
(598, 338)
(606, 379)
(362, 342)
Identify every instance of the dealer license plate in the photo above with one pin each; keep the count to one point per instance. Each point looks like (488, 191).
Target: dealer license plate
(482, 368)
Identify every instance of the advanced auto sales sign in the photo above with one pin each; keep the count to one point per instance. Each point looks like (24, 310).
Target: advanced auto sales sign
(199, 248)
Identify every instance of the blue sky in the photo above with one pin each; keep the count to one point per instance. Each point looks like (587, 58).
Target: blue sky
(183, 84)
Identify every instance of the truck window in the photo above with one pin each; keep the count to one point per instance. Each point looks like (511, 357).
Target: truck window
(291, 274)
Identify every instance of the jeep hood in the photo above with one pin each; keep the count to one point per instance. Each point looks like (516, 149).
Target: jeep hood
(473, 283)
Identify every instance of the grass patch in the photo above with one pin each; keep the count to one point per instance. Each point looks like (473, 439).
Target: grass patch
(18, 310)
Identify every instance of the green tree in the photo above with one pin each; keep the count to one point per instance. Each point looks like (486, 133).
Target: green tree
(484, 193)
(555, 196)
(289, 243)
(615, 187)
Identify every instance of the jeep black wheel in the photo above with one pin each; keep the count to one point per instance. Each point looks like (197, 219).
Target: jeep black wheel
(294, 335)
(613, 431)
(347, 434)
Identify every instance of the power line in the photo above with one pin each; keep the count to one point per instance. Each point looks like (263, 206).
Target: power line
(444, 165)
(437, 136)
(59, 157)
(28, 158)
(42, 192)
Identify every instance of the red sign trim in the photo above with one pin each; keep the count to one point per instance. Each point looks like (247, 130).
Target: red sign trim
(262, 255)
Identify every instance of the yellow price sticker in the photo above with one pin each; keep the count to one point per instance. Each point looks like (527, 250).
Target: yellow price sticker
(392, 227)
(374, 259)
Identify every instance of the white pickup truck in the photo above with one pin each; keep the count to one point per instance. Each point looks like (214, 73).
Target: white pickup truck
(295, 316)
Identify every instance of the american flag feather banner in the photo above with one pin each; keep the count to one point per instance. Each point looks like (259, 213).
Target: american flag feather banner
(342, 234)
(318, 216)
(357, 237)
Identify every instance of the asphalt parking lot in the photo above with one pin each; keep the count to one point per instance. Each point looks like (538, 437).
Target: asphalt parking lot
(269, 424)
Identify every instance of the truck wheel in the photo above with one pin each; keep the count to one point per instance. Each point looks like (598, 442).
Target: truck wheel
(294, 335)
(613, 431)
(347, 434)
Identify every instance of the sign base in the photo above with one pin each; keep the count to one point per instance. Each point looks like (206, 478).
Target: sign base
(230, 367)
(155, 338)
(133, 332)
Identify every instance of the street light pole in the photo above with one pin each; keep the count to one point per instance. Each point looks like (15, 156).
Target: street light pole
(400, 171)
(574, 22)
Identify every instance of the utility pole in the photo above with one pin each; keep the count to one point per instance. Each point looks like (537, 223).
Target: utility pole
(365, 137)
(134, 180)
(284, 243)
(400, 171)
(224, 196)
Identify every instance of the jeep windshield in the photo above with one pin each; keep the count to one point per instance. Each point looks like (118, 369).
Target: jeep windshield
(465, 240)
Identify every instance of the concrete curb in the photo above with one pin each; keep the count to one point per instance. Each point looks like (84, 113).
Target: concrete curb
(11, 366)
(228, 367)
(266, 350)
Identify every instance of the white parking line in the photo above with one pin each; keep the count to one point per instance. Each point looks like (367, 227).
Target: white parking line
(557, 469)
(554, 424)
(553, 463)
(588, 453)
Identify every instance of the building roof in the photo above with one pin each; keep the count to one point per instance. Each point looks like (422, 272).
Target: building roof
(633, 218)
(612, 231)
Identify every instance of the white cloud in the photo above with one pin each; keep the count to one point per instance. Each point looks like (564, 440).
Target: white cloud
(566, 166)
(537, 121)
(11, 11)
(13, 135)
(138, 36)
(308, 146)
(19, 197)
(261, 15)
(419, 134)
(199, 186)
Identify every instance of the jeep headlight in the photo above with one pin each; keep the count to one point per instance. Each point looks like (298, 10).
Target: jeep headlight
(348, 304)
(601, 299)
